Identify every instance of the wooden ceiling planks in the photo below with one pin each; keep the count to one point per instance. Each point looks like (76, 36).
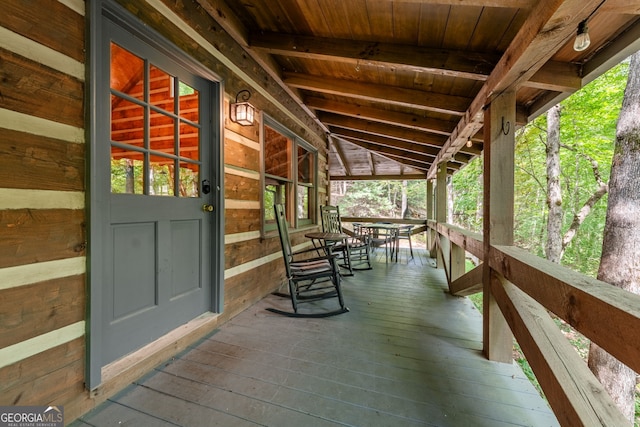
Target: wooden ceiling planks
(395, 62)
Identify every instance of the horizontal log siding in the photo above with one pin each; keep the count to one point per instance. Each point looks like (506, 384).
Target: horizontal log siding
(42, 133)
(42, 215)
(36, 235)
(53, 164)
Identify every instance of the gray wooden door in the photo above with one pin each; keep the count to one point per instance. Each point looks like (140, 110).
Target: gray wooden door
(157, 232)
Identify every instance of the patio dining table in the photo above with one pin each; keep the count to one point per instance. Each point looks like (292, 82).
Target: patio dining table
(393, 228)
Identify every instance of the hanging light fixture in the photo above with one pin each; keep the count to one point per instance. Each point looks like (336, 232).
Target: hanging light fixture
(469, 143)
(582, 37)
(242, 112)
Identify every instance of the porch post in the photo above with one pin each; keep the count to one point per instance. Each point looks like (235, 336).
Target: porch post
(441, 209)
(430, 233)
(499, 143)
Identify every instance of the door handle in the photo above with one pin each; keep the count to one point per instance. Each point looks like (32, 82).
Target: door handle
(207, 208)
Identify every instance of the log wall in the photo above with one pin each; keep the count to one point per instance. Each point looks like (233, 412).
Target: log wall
(42, 211)
(43, 217)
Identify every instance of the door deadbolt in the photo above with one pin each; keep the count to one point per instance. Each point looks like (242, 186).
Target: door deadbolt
(207, 208)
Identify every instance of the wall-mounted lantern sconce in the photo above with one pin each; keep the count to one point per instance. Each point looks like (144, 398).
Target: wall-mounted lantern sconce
(242, 112)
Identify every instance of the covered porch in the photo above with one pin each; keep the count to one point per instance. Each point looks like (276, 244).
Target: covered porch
(407, 354)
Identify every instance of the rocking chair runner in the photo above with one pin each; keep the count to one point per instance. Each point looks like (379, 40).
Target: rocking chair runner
(309, 279)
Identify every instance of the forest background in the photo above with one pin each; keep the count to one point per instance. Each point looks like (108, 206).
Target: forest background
(587, 136)
(587, 130)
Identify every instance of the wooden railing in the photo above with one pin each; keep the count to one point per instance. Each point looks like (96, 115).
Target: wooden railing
(527, 288)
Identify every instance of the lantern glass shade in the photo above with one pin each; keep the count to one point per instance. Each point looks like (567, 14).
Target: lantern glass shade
(242, 113)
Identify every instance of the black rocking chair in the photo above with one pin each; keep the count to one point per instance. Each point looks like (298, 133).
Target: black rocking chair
(309, 279)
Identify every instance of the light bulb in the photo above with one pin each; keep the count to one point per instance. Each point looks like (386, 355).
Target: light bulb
(582, 38)
(469, 143)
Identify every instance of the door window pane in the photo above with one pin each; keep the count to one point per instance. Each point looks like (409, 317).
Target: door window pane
(188, 104)
(162, 133)
(127, 173)
(161, 89)
(127, 121)
(126, 72)
(189, 137)
(158, 116)
(161, 176)
(189, 179)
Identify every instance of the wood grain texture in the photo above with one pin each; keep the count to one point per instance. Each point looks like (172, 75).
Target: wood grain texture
(241, 188)
(35, 235)
(48, 377)
(580, 300)
(240, 155)
(575, 394)
(241, 220)
(407, 354)
(36, 309)
(52, 164)
(239, 253)
(48, 22)
(34, 89)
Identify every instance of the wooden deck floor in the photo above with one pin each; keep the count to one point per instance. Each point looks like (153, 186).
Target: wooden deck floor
(407, 354)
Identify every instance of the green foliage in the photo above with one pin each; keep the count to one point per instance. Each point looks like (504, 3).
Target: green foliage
(380, 198)
(587, 133)
(467, 196)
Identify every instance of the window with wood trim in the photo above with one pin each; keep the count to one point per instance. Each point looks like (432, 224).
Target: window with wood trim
(290, 176)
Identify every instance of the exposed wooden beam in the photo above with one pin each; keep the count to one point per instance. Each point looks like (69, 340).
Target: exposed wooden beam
(232, 27)
(626, 7)
(408, 176)
(396, 143)
(462, 64)
(385, 141)
(550, 25)
(423, 161)
(413, 98)
(468, 65)
(339, 155)
(382, 129)
(512, 4)
(411, 121)
(373, 129)
(557, 76)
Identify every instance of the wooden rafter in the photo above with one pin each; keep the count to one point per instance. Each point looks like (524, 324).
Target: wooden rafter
(550, 23)
(462, 64)
(448, 104)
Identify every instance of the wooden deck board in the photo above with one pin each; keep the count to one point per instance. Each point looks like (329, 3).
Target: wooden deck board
(407, 354)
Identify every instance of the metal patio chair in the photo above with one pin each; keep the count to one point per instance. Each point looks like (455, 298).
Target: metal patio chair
(309, 279)
(354, 251)
(404, 233)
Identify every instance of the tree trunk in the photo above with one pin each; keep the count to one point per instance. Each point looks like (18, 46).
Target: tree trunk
(621, 245)
(404, 208)
(553, 247)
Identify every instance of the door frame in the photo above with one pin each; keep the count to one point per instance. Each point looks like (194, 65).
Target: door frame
(97, 198)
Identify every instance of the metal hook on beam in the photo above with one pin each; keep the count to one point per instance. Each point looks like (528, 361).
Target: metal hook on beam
(505, 131)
